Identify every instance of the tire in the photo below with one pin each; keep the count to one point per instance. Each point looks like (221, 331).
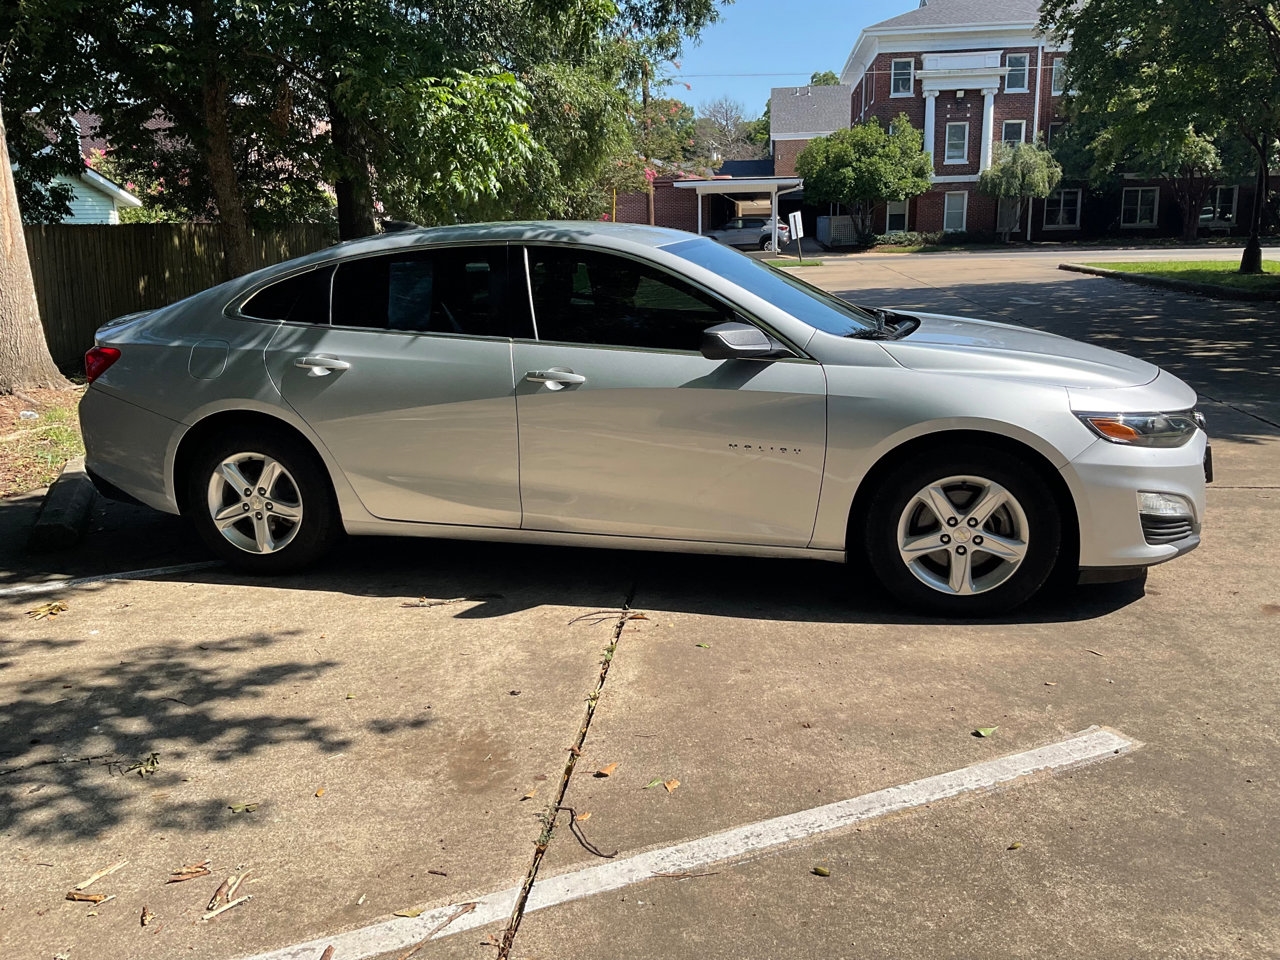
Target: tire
(963, 501)
(766, 243)
(289, 525)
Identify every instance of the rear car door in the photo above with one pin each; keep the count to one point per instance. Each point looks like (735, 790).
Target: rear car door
(408, 383)
(626, 429)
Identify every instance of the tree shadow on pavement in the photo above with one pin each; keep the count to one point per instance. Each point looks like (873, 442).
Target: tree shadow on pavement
(68, 736)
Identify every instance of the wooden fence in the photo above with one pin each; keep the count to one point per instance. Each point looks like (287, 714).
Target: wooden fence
(85, 275)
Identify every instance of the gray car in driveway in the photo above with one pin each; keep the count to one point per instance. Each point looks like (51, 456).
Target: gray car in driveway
(625, 386)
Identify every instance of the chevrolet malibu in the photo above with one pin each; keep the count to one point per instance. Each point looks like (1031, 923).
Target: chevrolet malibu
(629, 387)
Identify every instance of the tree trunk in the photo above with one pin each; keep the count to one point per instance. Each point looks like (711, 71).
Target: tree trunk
(219, 158)
(1251, 259)
(354, 195)
(25, 362)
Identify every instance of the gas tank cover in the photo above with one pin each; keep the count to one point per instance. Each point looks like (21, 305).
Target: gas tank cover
(208, 359)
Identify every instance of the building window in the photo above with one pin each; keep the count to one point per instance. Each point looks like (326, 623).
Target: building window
(1059, 81)
(1014, 131)
(1015, 81)
(896, 216)
(1056, 129)
(954, 207)
(1140, 207)
(903, 78)
(1062, 210)
(957, 143)
(1219, 208)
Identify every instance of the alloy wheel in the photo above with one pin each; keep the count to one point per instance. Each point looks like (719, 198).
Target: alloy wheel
(254, 503)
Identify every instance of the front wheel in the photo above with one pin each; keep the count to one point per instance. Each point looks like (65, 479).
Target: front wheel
(262, 503)
(963, 532)
(766, 243)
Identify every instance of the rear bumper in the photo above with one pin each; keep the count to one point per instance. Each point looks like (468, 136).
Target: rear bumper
(127, 449)
(1105, 481)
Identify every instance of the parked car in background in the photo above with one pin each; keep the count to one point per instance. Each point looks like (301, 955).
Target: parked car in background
(614, 385)
(753, 232)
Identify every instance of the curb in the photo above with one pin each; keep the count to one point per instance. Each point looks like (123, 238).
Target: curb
(64, 515)
(1214, 290)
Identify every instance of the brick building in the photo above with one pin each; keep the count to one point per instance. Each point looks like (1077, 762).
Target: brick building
(970, 74)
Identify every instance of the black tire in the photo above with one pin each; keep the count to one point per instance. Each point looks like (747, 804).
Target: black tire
(897, 516)
(765, 243)
(302, 486)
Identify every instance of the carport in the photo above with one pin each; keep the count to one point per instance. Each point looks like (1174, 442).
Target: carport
(773, 186)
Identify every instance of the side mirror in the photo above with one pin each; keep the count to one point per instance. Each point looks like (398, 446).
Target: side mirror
(741, 341)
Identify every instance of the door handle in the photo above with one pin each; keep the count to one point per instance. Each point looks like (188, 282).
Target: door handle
(555, 379)
(320, 366)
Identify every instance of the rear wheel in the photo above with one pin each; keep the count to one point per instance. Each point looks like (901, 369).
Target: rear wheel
(963, 532)
(766, 243)
(262, 503)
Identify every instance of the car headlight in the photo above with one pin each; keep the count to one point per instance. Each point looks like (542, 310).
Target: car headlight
(1144, 429)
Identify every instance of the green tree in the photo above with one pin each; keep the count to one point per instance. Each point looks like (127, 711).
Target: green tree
(824, 78)
(1210, 64)
(865, 166)
(1018, 173)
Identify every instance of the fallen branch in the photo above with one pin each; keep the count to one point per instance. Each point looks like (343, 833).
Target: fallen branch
(685, 875)
(226, 906)
(576, 829)
(84, 884)
(424, 602)
(109, 757)
(90, 897)
(461, 911)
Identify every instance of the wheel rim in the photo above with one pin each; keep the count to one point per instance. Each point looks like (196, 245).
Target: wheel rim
(963, 535)
(254, 503)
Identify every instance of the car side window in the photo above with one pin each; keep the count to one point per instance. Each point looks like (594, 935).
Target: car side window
(302, 298)
(582, 296)
(460, 290)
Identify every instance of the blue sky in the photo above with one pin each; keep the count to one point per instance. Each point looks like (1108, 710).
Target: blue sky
(787, 39)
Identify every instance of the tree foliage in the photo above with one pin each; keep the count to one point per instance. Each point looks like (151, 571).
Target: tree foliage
(1019, 172)
(824, 78)
(724, 132)
(1154, 70)
(864, 166)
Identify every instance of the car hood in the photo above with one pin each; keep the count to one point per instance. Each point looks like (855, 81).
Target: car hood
(946, 344)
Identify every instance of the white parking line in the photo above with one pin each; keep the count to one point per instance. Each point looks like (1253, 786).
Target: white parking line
(54, 586)
(1091, 745)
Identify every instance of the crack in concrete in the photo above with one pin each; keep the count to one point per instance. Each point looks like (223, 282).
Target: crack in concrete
(549, 818)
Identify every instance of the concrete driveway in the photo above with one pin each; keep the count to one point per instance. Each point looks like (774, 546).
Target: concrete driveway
(390, 748)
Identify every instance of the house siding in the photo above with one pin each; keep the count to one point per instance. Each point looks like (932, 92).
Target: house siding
(89, 205)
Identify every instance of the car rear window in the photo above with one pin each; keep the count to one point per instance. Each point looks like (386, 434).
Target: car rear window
(302, 298)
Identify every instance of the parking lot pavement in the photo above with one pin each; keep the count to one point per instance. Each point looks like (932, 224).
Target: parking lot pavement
(422, 727)
(764, 687)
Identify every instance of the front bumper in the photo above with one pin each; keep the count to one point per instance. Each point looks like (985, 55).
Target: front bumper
(1105, 481)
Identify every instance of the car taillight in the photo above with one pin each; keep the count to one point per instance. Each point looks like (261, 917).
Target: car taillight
(97, 360)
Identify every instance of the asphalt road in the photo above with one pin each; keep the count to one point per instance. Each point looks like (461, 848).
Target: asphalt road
(390, 747)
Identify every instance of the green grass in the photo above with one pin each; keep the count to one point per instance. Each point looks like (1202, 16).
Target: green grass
(795, 263)
(33, 454)
(1224, 273)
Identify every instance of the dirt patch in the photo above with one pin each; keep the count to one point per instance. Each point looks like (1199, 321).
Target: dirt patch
(33, 450)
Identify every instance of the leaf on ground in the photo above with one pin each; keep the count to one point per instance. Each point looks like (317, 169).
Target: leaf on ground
(320, 792)
(51, 609)
(655, 782)
(351, 696)
(607, 770)
(89, 897)
(704, 646)
(243, 807)
(821, 871)
(1016, 845)
(671, 785)
(1096, 653)
(583, 817)
(1051, 683)
(530, 794)
(147, 916)
(416, 911)
(985, 731)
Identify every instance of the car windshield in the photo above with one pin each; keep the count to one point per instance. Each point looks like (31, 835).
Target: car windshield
(802, 300)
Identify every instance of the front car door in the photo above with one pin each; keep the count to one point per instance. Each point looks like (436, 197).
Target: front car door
(409, 383)
(626, 429)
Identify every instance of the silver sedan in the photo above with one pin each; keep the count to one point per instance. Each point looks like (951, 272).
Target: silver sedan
(630, 387)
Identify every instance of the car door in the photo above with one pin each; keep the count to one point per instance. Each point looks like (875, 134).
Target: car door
(626, 429)
(409, 384)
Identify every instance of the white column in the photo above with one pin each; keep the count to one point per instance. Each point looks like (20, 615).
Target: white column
(930, 124)
(988, 120)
